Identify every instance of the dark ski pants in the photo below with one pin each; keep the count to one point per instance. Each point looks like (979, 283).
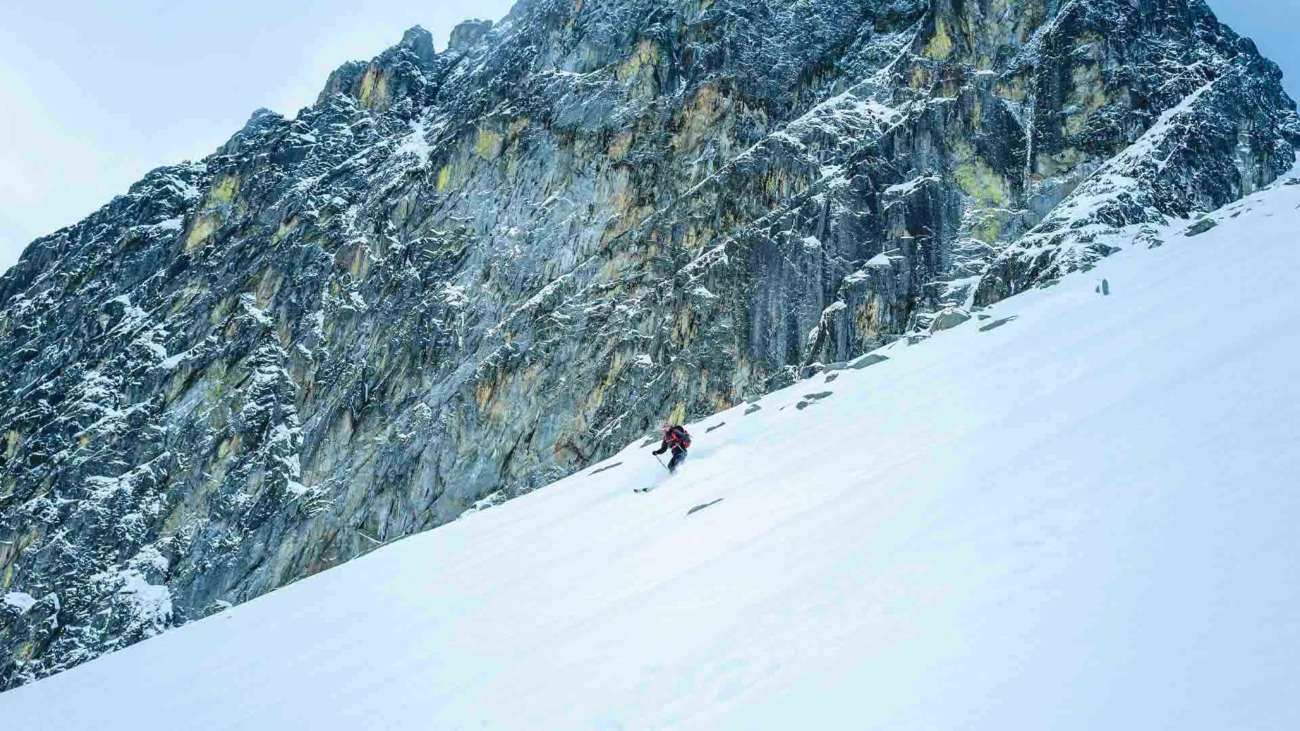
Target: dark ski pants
(679, 456)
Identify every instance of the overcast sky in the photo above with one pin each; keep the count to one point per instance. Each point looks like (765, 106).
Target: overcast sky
(96, 94)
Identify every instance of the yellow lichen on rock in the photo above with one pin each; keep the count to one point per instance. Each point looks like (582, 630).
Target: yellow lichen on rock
(622, 199)
(989, 228)
(223, 191)
(444, 178)
(740, 380)
(614, 268)
(940, 46)
(517, 128)
(220, 310)
(13, 442)
(1032, 15)
(203, 228)
(920, 78)
(624, 192)
(488, 145)
(402, 211)
(678, 414)
(513, 134)
(228, 447)
(178, 384)
(592, 402)
(187, 296)
(697, 238)
(615, 365)
(1011, 90)
(700, 118)
(772, 184)
(1060, 162)
(684, 328)
(374, 89)
(621, 145)
(500, 410)
(194, 507)
(11, 550)
(638, 71)
(215, 209)
(267, 285)
(866, 319)
(25, 652)
(483, 394)
(286, 228)
(358, 264)
(981, 182)
(1086, 97)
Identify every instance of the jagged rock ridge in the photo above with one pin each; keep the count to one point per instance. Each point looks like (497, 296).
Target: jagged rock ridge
(460, 275)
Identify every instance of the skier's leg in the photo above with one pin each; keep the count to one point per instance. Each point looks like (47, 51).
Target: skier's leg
(678, 458)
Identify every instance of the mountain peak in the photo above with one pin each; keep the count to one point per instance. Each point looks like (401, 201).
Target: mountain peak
(466, 34)
(420, 42)
(399, 72)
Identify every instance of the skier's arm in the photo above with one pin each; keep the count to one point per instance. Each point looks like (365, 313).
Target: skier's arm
(663, 447)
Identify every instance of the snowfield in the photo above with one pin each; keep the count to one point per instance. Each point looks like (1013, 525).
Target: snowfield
(1084, 518)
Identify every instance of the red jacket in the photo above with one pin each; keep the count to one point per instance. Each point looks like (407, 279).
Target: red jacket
(676, 438)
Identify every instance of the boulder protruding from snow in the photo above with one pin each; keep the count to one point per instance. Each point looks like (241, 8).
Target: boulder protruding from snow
(1202, 226)
(948, 319)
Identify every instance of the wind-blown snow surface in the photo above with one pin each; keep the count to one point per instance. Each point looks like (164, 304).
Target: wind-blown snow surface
(1084, 518)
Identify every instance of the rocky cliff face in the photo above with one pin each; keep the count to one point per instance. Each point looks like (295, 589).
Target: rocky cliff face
(460, 275)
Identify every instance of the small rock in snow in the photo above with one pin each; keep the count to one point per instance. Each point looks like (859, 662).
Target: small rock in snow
(997, 324)
(948, 319)
(867, 362)
(606, 468)
(698, 508)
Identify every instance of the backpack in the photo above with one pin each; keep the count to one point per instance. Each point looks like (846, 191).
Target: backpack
(683, 437)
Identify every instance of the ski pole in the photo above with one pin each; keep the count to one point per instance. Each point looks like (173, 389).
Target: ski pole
(661, 462)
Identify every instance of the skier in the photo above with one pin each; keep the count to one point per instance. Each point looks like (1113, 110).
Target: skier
(677, 439)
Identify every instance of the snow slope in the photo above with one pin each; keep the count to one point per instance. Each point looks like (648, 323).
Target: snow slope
(1084, 518)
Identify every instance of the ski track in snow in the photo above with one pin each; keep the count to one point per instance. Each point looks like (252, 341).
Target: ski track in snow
(1083, 519)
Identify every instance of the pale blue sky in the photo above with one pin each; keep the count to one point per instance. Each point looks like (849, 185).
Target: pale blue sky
(96, 94)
